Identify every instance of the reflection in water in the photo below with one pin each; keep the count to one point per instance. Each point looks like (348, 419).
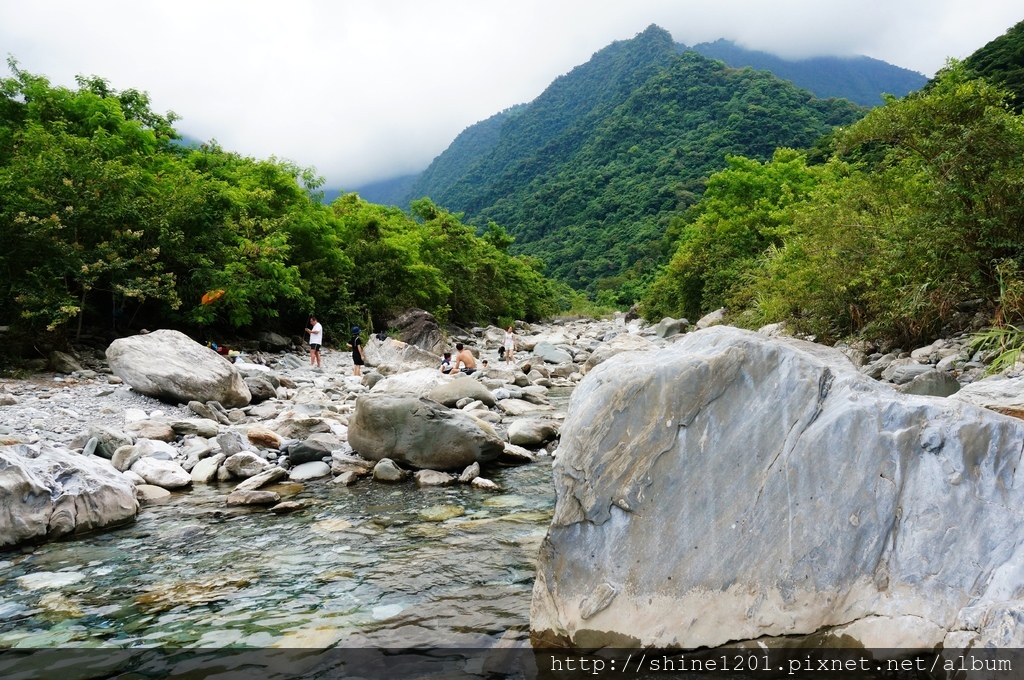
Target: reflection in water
(367, 565)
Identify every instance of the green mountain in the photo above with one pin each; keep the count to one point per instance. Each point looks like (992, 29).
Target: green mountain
(1002, 62)
(472, 144)
(588, 175)
(860, 79)
(557, 122)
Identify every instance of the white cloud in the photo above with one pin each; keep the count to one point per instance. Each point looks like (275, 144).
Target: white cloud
(367, 90)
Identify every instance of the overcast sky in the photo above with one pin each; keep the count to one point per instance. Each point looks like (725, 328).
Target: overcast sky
(374, 89)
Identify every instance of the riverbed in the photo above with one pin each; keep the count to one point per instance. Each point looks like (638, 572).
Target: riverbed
(368, 565)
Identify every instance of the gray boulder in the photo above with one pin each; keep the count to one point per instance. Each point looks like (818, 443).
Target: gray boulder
(46, 492)
(207, 412)
(433, 478)
(310, 450)
(668, 327)
(269, 476)
(387, 471)
(163, 473)
(713, 319)
(108, 440)
(420, 433)
(169, 365)
(419, 328)
(419, 382)
(463, 387)
(901, 375)
(623, 342)
(999, 394)
(391, 352)
(273, 342)
(244, 465)
(62, 362)
(876, 368)
(205, 471)
(790, 495)
(532, 432)
(253, 498)
(307, 471)
(551, 354)
(342, 462)
(202, 427)
(260, 389)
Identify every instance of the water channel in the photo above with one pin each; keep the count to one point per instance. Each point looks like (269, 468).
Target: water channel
(368, 565)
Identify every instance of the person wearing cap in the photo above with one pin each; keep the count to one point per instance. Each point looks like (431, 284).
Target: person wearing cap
(357, 351)
(316, 339)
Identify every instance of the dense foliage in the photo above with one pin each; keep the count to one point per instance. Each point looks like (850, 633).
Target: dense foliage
(862, 80)
(1002, 62)
(102, 214)
(597, 216)
(919, 209)
(589, 175)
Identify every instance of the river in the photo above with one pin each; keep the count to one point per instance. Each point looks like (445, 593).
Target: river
(367, 565)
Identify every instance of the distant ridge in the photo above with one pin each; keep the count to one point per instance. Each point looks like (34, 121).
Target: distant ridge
(587, 176)
(860, 79)
(385, 192)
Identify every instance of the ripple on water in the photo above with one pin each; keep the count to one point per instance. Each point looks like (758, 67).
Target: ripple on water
(363, 565)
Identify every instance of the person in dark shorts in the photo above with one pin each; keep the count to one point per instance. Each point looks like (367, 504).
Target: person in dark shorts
(466, 358)
(316, 339)
(357, 351)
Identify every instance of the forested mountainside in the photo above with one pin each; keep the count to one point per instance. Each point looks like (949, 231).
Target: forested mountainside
(597, 215)
(912, 228)
(602, 83)
(1002, 62)
(472, 144)
(860, 79)
(587, 176)
(558, 121)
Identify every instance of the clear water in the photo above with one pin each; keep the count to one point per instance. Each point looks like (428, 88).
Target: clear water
(367, 565)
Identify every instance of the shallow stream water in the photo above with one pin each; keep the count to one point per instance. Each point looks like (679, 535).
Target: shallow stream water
(367, 565)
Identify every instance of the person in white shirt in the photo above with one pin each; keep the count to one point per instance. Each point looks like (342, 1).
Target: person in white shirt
(509, 346)
(316, 339)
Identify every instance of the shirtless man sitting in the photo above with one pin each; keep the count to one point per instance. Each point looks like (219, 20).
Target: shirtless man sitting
(465, 358)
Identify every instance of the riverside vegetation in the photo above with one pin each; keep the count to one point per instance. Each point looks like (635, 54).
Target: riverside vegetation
(103, 209)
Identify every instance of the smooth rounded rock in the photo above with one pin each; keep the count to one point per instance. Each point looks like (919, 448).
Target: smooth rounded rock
(169, 365)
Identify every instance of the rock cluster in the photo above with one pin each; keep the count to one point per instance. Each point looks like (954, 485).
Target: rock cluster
(159, 413)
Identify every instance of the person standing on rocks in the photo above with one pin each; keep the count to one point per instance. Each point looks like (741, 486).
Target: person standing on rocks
(510, 346)
(357, 351)
(316, 340)
(466, 358)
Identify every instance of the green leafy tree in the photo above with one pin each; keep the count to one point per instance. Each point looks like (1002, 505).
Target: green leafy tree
(920, 215)
(745, 209)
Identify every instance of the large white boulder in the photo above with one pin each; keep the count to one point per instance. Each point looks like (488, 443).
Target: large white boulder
(420, 433)
(400, 355)
(998, 393)
(419, 382)
(46, 492)
(623, 342)
(171, 366)
(733, 487)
